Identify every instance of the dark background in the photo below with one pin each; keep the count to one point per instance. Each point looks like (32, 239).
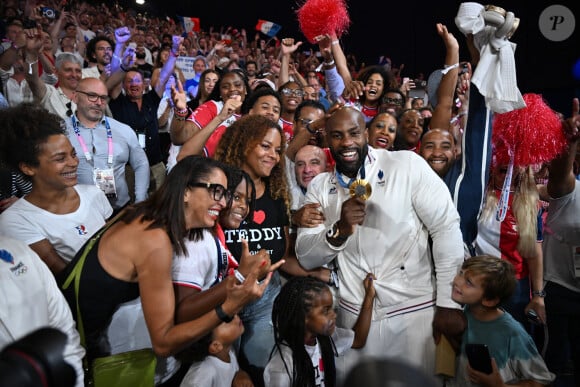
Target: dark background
(405, 32)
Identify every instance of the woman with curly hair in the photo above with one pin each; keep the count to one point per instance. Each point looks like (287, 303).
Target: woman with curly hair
(256, 144)
(58, 215)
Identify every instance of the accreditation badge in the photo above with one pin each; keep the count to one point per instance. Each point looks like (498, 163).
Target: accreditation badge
(105, 180)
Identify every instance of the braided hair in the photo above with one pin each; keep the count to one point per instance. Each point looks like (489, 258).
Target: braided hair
(291, 306)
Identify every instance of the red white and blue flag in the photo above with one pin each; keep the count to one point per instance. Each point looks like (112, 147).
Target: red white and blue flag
(190, 23)
(268, 28)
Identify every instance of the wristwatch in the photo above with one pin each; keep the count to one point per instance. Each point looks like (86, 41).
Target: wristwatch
(539, 293)
(334, 233)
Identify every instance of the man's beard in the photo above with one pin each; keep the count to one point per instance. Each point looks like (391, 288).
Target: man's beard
(350, 169)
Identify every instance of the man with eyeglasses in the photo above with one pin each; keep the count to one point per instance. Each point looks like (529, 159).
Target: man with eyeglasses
(104, 146)
(393, 102)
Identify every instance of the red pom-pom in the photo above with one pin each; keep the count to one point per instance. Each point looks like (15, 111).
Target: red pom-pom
(319, 17)
(534, 134)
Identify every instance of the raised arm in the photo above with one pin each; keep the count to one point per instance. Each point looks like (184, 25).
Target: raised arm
(169, 65)
(446, 90)
(561, 179)
(33, 46)
(195, 144)
(181, 129)
(288, 47)
(120, 61)
(352, 88)
(334, 81)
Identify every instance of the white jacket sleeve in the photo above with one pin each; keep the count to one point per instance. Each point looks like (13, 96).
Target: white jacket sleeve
(312, 248)
(436, 210)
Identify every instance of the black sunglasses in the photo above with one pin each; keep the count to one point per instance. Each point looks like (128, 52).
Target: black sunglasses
(217, 191)
(69, 109)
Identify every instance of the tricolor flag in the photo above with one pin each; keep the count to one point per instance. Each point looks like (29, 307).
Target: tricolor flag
(268, 28)
(190, 23)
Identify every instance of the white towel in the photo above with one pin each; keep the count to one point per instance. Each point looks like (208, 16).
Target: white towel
(495, 75)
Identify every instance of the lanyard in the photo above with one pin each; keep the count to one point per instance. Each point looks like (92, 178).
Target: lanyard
(502, 205)
(84, 145)
(343, 184)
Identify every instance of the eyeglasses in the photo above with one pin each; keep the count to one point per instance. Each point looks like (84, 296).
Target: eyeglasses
(92, 97)
(69, 109)
(218, 191)
(393, 101)
(108, 49)
(295, 92)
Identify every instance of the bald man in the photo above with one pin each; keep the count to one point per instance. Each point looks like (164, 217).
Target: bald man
(104, 146)
(310, 160)
(387, 233)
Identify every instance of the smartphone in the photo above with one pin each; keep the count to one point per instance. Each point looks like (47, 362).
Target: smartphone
(478, 356)
(533, 317)
(48, 12)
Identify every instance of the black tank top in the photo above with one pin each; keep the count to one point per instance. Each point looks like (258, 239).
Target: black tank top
(100, 296)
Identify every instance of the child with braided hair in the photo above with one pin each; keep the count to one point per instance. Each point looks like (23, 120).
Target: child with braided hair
(307, 339)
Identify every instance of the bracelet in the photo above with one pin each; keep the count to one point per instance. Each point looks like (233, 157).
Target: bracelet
(448, 68)
(239, 276)
(222, 315)
(182, 113)
(310, 130)
(331, 63)
(123, 68)
(539, 293)
(335, 42)
(30, 66)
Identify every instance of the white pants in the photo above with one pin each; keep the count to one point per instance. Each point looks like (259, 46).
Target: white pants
(408, 337)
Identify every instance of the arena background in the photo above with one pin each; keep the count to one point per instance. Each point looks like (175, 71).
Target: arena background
(405, 32)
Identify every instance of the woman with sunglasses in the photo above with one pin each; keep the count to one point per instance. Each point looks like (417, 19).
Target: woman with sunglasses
(198, 277)
(133, 257)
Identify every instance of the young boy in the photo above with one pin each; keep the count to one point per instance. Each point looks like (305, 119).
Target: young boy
(214, 360)
(482, 284)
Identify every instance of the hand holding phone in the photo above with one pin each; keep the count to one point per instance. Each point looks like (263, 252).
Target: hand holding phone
(478, 357)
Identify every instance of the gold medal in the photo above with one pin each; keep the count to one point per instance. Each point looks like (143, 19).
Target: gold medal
(360, 188)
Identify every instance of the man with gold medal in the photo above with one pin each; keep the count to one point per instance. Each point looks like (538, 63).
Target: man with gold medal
(380, 210)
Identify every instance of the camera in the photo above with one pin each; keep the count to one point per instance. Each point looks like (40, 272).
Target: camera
(48, 12)
(37, 360)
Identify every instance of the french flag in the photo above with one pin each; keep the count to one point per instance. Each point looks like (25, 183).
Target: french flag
(268, 28)
(190, 23)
